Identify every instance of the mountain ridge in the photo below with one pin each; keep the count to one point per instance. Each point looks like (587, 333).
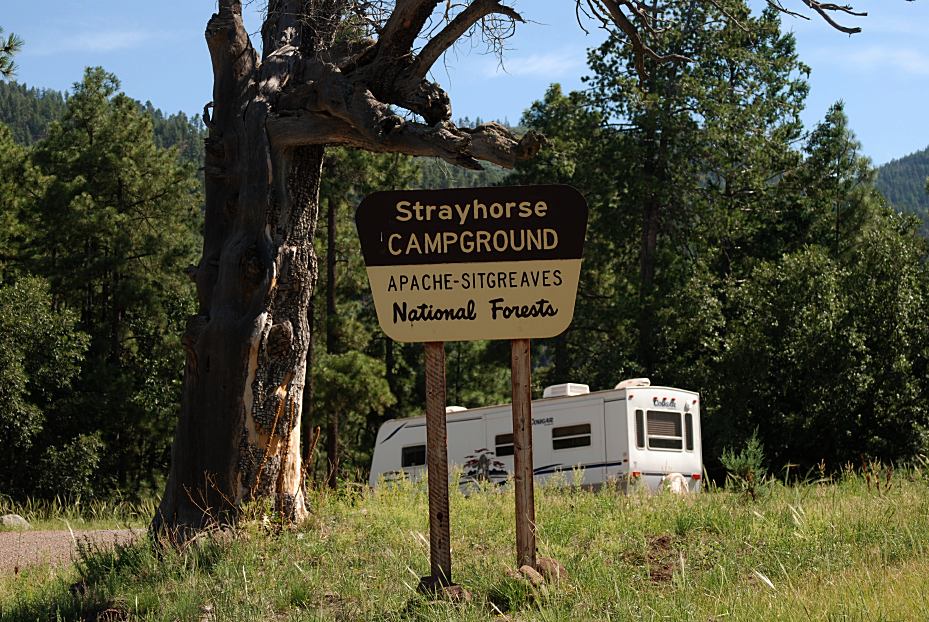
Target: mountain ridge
(902, 181)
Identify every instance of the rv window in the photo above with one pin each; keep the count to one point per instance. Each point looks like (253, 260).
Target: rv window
(414, 455)
(504, 445)
(689, 430)
(571, 436)
(639, 430)
(664, 430)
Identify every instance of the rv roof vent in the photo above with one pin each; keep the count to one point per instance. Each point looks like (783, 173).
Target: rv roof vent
(454, 409)
(634, 382)
(562, 390)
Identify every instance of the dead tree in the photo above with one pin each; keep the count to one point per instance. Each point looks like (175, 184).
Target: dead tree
(331, 72)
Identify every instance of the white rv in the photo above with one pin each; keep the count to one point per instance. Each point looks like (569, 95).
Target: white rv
(634, 434)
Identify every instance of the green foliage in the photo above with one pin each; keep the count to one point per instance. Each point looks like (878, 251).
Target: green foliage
(352, 385)
(745, 469)
(178, 131)
(677, 172)
(29, 111)
(827, 361)
(40, 355)
(16, 175)
(113, 231)
(582, 152)
(71, 471)
(829, 199)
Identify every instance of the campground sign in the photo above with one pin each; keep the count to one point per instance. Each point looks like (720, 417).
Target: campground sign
(466, 264)
(473, 263)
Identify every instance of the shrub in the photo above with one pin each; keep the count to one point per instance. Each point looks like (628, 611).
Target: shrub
(745, 470)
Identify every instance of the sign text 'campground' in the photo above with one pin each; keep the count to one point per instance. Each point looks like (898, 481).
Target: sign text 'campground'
(473, 263)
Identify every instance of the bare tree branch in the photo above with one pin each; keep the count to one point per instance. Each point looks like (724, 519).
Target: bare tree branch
(464, 147)
(403, 26)
(842, 9)
(455, 29)
(729, 15)
(347, 97)
(822, 10)
(776, 5)
(641, 51)
(338, 110)
(232, 55)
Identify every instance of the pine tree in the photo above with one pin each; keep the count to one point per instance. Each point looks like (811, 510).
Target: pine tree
(8, 48)
(112, 231)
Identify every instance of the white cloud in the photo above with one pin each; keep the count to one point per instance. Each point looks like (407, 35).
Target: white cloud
(880, 24)
(96, 41)
(885, 58)
(549, 65)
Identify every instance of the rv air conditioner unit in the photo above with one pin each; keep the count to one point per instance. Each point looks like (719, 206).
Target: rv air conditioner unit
(564, 390)
(633, 382)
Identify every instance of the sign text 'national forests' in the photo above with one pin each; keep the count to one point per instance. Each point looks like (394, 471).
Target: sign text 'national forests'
(473, 263)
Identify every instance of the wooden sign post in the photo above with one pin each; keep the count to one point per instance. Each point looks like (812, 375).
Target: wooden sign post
(465, 264)
(521, 366)
(440, 552)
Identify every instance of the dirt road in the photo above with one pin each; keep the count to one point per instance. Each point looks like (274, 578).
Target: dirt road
(19, 549)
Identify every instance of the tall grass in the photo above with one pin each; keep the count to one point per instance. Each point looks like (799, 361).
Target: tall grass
(841, 550)
(112, 513)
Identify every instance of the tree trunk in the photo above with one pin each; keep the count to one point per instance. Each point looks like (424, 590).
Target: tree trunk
(390, 361)
(332, 338)
(332, 449)
(655, 174)
(238, 435)
(651, 218)
(308, 390)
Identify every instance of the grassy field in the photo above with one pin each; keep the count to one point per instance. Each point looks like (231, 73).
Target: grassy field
(822, 551)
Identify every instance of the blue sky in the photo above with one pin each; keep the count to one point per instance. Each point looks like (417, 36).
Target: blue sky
(158, 52)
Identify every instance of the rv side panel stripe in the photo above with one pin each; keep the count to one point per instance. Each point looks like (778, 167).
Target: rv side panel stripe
(554, 468)
(391, 435)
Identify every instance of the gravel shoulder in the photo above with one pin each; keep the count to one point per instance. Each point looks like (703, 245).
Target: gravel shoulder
(19, 549)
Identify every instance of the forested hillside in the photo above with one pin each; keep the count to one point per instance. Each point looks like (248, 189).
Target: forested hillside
(28, 111)
(903, 182)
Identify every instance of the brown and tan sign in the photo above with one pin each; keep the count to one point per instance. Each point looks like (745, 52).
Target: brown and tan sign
(473, 263)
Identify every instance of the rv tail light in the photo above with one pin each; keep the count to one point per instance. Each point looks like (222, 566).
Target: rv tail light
(636, 474)
(696, 476)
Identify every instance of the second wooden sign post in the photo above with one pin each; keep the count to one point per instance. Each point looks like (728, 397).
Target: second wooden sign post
(521, 370)
(466, 264)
